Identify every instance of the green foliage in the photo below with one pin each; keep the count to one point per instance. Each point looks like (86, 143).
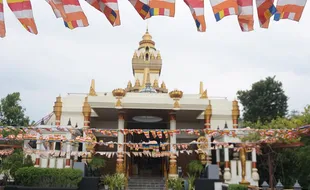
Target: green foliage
(195, 168)
(176, 183)
(237, 187)
(96, 164)
(116, 181)
(191, 181)
(48, 177)
(15, 161)
(264, 102)
(11, 112)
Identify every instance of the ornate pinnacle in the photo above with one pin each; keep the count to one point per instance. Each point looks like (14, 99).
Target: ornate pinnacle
(92, 91)
(155, 84)
(129, 85)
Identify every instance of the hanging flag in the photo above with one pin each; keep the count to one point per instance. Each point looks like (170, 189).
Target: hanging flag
(289, 9)
(265, 10)
(161, 8)
(222, 8)
(109, 8)
(70, 11)
(22, 10)
(2, 24)
(245, 15)
(142, 7)
(197, 9)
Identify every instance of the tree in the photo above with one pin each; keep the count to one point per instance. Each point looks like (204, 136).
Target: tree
(11, 112)
(264, 102)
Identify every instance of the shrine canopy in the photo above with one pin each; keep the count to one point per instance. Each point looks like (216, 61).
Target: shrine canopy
(73, 16)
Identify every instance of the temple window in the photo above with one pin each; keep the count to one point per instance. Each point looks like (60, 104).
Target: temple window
(147, 57)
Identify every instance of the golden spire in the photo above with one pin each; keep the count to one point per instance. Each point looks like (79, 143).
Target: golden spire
(135, 55)
(235, 110)
(129, 85)
(201, 88)
(137, 84)
(158, 56)
(152, 56)
(155, 84)
(58, 106)
(203, 93)
(163, 85)
(147, 40)
(141, 55)
(86, 108)
(92, 91)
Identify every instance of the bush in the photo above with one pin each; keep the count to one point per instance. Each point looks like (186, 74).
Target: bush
(48, 177)
(237, 187)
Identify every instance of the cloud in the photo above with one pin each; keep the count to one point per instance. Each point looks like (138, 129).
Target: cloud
(59, 61)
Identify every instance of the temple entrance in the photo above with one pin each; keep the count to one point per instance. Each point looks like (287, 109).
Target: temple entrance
(146, 165)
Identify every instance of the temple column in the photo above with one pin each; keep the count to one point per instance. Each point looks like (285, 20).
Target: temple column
(173, 139)
(58, 110)
(76, 149)
(68, 155)
(207, 123)
(227, 174)
(218, 160)
(86, 113)
(235, 114)
(38, 157)
(255, 174)
(120, 140)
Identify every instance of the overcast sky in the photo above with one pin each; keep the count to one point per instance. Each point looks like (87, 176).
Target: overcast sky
(59, 61)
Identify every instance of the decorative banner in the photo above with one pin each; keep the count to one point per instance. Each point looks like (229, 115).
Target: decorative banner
(197, 10)
(222, 8)
(73, 16)
(245, 15)
(2, 24)
(70, 11)
(142, 7)
(161, 8)
(6, 152)
(109, 8)
(290, 9)
(22, 10)
(265, 10)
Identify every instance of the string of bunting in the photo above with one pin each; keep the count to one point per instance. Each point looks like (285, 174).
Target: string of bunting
(267, 135)
(73, 16)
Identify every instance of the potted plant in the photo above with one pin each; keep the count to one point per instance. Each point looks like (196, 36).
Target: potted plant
(191, 181)
(95, 165)
(120, 181)
(195, 168)
(105, 181)
(171, 183)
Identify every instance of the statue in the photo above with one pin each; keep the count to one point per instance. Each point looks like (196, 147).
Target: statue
(242, 153)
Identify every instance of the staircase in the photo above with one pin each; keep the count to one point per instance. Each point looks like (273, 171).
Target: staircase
(146, 183)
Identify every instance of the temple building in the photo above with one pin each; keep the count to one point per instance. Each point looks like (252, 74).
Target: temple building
(145, 103)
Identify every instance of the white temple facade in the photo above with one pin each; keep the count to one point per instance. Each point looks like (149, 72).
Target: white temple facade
(146, 103)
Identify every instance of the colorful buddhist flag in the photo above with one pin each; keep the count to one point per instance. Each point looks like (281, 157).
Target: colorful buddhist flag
(142, 7)
(22, 10)
(109, 8)
(197, 9)
(222, 8)
(265, 10)
(70, 11)
(245, 15)
(290, 9)
(2, 24)
(161, 8)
